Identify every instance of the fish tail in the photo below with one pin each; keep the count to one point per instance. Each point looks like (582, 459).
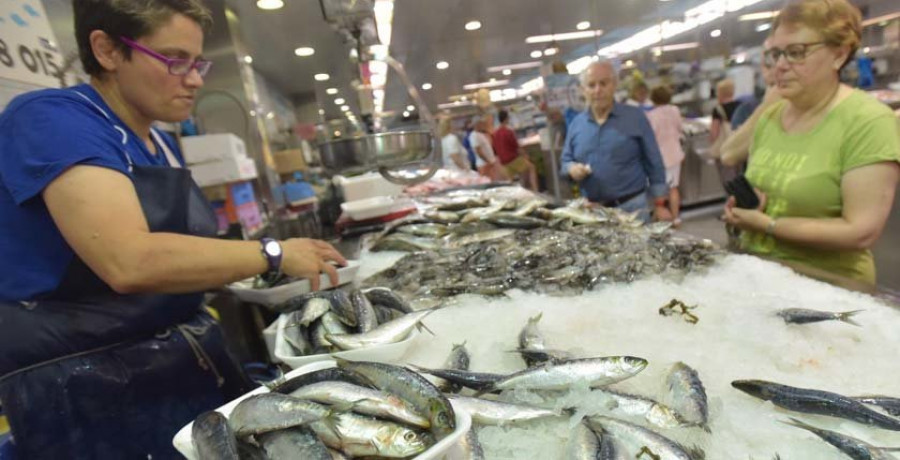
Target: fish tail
(800, 424)
(847, 317)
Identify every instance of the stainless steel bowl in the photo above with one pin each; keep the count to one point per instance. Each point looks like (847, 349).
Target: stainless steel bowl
(386, 152)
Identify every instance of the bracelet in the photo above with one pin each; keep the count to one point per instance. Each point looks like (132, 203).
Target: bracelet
(770, 229)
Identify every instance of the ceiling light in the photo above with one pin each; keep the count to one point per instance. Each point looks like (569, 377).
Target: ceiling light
(716, 33)
(676, 47)
(248, 59)
(519, 66)
(528, 98)
(487, 84)
(657, 51)
(337, 134)
(269, 4)
(867, 50)
(551, 51)
(253, 113)
(426, 86)
(339, 101)
(442, 65)
(507, 72)
(405, 114)
(345, 108)
(740, 59)
(473, 25)
(536, 54)
(758, 16)
(331, 91)
(321, 112)
(763, 27)
(304, 51)
(583, 25)
(451, 105)
(629, 63)
(411, 108)
(321, 77)
(564, 36)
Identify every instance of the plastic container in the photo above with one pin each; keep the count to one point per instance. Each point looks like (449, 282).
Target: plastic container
(371, 208)
(276, 295)
(389, 353)
(182, 440)
(366, 186)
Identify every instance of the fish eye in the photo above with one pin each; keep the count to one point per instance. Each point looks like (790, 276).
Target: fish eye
(442, 418)
(409, 436)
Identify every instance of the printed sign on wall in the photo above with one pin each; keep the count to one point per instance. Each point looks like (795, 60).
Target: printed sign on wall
(28, 49)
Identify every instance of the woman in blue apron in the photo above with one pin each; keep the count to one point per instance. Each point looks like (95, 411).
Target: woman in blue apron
(105, 248)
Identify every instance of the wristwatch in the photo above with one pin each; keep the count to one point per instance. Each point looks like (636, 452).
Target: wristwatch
(271, 250)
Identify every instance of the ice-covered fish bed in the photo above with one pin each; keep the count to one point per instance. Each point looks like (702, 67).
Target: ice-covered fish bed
(738, 336)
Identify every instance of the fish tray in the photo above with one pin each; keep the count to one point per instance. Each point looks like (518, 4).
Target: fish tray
(388, 353)
(279, 294)
(182, 440)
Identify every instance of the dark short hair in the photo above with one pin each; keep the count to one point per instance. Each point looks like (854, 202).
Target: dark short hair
(661, 95)
(129, 18)
(502, 115)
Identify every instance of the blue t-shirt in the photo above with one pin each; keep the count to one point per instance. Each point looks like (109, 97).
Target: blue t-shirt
(43, 133)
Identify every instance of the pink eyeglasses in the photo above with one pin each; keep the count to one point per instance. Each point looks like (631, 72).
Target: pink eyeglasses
(178, 67)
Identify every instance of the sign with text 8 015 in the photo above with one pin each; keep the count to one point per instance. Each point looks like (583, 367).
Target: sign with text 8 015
(28, 50)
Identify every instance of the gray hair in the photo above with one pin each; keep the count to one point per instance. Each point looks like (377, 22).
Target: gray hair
(601, 63)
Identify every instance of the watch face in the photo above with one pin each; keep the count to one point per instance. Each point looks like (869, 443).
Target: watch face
(273, 248)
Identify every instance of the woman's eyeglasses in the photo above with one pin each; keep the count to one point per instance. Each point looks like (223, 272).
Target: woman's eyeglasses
(794, 53)
(177, 66)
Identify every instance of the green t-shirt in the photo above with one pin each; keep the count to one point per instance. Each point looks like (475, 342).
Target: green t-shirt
(801, 175)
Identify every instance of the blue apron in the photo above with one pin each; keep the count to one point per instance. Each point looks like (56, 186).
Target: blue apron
(87, 373)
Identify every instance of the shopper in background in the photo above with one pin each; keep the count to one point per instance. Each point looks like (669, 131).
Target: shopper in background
(638, 95)
(470, 152)
(611, 151)
(107, 246)
(513, 158)
(453, 151)
(825, 159)
(485, 159)
(724, 109)
(665, 119)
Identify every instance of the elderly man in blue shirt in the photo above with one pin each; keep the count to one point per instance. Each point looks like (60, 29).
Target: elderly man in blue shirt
(610, 150)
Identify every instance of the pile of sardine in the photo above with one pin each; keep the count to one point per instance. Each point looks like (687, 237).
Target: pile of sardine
(357, 409)
(329, 321)
(860, 409)
(549, 371)
(487, 248)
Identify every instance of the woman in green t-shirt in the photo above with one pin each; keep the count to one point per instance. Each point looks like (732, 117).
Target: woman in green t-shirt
(825, 158)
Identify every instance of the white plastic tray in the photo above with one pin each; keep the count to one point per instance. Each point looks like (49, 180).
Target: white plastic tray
(375, 207)
(182, 439)
(276, 295)
(389, 353)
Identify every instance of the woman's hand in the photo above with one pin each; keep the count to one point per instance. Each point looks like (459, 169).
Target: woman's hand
(307, 258)
(748, 219)
(579, 171)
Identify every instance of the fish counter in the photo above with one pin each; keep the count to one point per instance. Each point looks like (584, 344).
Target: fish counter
(573, 332)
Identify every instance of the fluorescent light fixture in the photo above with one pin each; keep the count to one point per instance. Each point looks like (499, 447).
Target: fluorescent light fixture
(441, 65)
(577, 66)
(321, 112)
(716, 33)
(321, 77)
(533, 85)
(384, 16)
(536, 54)
(331, 91)
(451, 105)
(269, 4)
(583, 25)
(762, 15)
(763, 27)
(345, 108)
(880, 19)
(564, 36)
(378, 80)
(519, 66)
(339, 101)
(507, 72)
(304, 51)
(411, 108)
(426, 86)
(473, 25)
(676, 47)
(551, 51)
(657, 51)
(248, 59)
(486, 84)
(378, 93)
(405, 114)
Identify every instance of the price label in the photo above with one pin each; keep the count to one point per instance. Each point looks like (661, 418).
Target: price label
(28, 51)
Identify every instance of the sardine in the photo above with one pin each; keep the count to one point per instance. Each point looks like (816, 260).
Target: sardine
(652, 411)
(360, 436)
(330, 374)
(530, 337)
(213, 438)
(317, 337)
(334, 324)
(468, 447)
(584, 443)
(594, 371)
(459, 360)
(411, 387)
(365, 313)
(538, 357)
(424, 230)
(482, 213)
(478, 381)
(390, 332)
(816, 402)
(295, 334)
(889, 404)
(510, 220)
(577, 216)
(463, 204)
(273, 411)
(363, 400)
(529, 206)
(481, 237)
(296, 442)
(856, 449)
(635, 437)
(689, 396)
(313, 310)
(804, 316)
(488, 412)
(387, 298)
(250, 451)
(443, 217)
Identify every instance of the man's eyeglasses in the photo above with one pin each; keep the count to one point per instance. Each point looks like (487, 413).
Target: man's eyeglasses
(177, 66)
(794, 53)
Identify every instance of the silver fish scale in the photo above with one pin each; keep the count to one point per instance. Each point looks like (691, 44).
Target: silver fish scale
(594, 371)
(689, 394)
(584, 443)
